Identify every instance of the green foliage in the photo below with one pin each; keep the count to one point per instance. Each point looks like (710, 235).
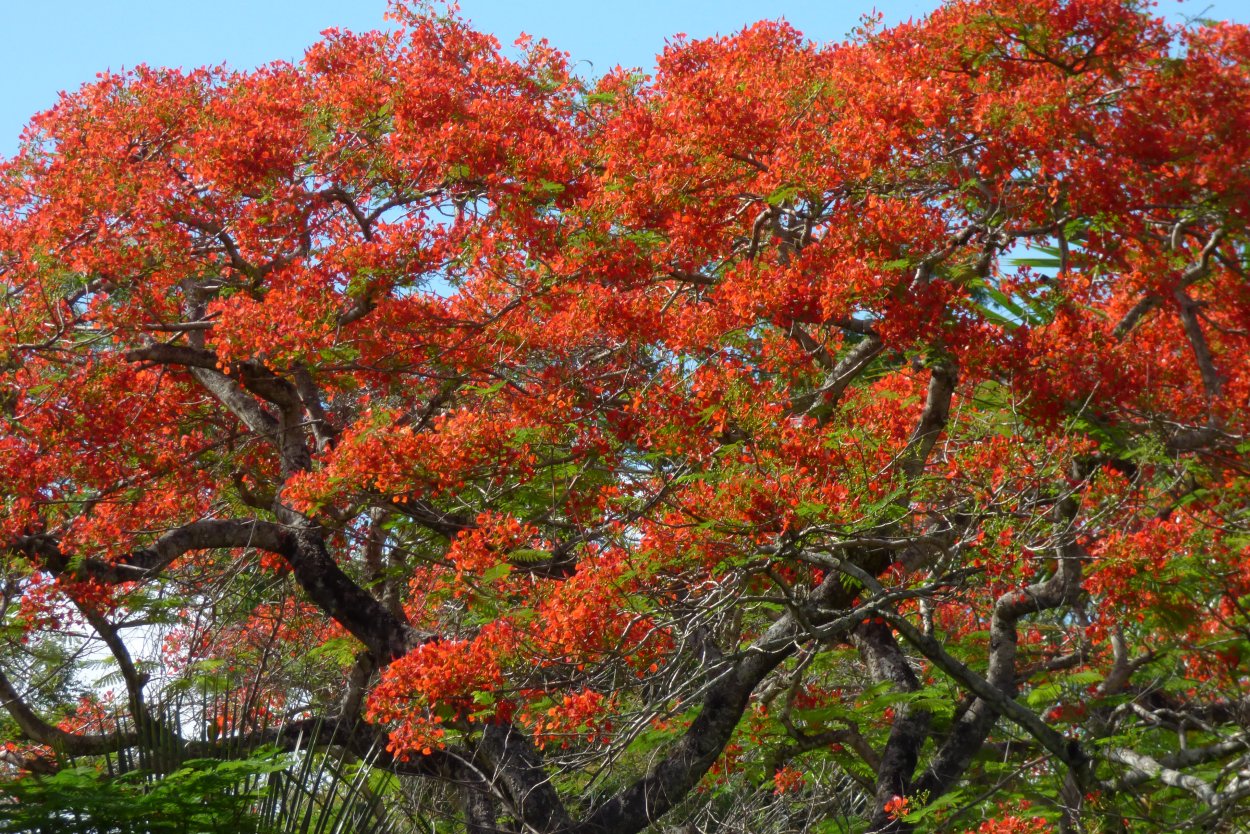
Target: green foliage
(309, 787)
(201, 796)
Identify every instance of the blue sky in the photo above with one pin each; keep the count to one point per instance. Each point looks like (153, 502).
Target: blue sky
(48, 47)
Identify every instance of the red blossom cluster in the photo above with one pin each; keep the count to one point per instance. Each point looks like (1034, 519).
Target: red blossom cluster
(852, 408)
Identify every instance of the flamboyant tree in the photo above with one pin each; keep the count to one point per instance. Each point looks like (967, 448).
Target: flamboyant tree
(803, 437)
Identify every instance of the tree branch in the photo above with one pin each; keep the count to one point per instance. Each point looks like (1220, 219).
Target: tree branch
(37, 730)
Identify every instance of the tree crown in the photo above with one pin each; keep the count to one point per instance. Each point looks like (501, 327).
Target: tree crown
(860, 421)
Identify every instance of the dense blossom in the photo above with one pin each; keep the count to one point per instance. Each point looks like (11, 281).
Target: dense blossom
(796, 433)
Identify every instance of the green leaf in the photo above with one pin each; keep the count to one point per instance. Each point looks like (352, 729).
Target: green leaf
(782, 195)
(1044, 694)
(496, 572)
(601, 98)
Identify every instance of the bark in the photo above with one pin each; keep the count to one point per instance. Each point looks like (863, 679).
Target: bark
(887, 663)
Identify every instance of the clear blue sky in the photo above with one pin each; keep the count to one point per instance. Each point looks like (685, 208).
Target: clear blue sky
(46, 47)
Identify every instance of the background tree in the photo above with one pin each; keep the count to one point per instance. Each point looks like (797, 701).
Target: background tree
(805, 437)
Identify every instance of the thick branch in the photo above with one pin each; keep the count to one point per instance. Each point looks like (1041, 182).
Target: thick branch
(299, 543)
(933, 419)
(207, 534)
(37, 730)
(887, 663)
(1212, 382)
(386, 635)
(822, 401)
(1192, 274)
(724, 702)
(1067, 752)
(1152, 769)
(514, 768)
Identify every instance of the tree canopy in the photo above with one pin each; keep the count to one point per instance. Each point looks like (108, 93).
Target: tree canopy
(802, 437)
